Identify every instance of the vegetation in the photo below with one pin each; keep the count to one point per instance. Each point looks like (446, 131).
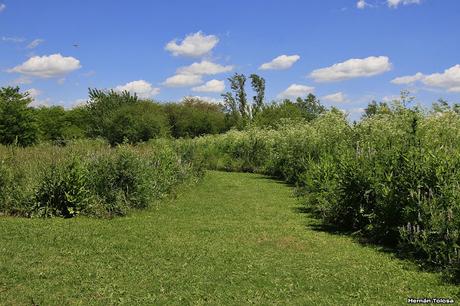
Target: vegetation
(392, 178)
(17, 123)
(90, 178)
(235, 239)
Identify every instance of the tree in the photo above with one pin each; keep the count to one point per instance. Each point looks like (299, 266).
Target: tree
(133, 123)
(120, 117)
(102, 104)
(310, 107)
(194, 117)
(374, 108)
(51, 122)
(271, 115)
(233, 115)
(258, 85)
(237, 82)
(17, 121)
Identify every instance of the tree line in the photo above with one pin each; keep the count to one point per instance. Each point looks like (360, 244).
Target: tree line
(122, 117)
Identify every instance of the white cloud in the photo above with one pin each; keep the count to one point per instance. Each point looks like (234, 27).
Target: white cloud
(296, 90)
(396, 3)
(34, 94)
(280, 62)
(352, 68)
(22, 80)
(2, 7)
(361, 4)
(390, 98)
(50, 66)
(183, 80)
(194, 45)
(33, 44)
(211, 86)
(141, 88)
(204, 67)
(449, 79)
(409, 79)
(78, 103)
(338, 97)
(13, 39)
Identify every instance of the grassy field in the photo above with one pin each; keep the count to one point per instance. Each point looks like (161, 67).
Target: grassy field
(233, 239)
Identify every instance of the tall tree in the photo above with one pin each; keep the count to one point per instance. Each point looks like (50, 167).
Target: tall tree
(258, 85)
(237, 82)
(17, 121)
(231, 108)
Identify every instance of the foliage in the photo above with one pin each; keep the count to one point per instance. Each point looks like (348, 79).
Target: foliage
(392, 178)
(90, 178)
(194, 117)
(135, 123)
(17, 123)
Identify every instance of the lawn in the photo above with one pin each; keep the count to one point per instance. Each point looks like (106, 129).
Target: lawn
(232, 239)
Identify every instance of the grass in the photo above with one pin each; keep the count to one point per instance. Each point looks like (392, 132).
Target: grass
(233, 239)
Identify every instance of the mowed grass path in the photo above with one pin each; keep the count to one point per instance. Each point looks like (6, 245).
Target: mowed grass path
(233, 239)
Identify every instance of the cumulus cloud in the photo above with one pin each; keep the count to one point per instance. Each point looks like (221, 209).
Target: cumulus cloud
(361, 4)
(141, 88)
(338, 97)
(352, 68)
(47, 66)
(2, 7)
(183, 80)
(33, 44)
(204, 68)
(280, 62)
(396, 3)
(194, 45)
(296, 90)
(211, 86)
(449, 79)
(409, 79)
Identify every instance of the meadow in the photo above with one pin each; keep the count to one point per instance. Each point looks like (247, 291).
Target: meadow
(127, 184)
(233, 239)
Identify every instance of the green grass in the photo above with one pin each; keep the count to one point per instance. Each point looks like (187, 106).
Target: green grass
(233, 239)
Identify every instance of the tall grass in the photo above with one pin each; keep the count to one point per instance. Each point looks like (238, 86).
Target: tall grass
(392, 178)
(89, 178)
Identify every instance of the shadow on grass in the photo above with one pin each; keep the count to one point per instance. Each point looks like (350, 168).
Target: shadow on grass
(410, 261)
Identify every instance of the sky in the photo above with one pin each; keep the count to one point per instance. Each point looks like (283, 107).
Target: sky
(346, 52)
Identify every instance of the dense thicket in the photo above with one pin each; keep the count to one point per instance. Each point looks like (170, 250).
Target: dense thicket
(194, 117)
(90, 178)
(394, 177)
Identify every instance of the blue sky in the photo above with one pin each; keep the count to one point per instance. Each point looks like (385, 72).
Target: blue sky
(347, 52)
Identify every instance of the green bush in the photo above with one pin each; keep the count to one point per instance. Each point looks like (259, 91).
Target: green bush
(90, 178)
(64, 189)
